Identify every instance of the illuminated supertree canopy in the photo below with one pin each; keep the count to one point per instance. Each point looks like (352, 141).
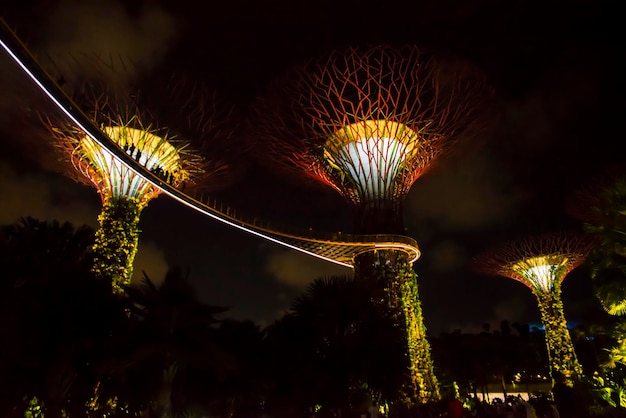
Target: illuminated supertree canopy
(541, 263)
(125, 116)
(368, 123)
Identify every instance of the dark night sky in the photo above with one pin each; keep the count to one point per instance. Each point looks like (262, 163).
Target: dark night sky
(556, 66)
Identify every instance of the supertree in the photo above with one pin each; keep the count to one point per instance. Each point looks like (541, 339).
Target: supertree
(132, 120)
(368, 123)
(541, 263)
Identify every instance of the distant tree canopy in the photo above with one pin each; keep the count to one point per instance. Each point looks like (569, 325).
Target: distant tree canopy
(496, 356)
(32, 250)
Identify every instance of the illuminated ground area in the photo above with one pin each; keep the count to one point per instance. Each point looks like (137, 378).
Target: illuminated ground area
(524, 391)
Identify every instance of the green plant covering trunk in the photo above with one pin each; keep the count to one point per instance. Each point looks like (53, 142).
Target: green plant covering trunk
(561, 352)
(35, 409)
(116, 241)
(422, 371)
(395, 273)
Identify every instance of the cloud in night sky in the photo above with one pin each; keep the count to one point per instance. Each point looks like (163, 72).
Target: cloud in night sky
(151, 260)
(43, 197)
(446, 256)
(512, 309)
(297, 269)
(537, 122)
(469, 194)
(107, 30)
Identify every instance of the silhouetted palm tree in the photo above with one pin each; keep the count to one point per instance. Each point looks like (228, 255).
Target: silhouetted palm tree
(349, 348)
(171, 332)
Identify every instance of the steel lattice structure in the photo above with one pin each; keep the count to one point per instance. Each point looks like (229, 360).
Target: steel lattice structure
(131, 130)
(541, 263)
(368, 123)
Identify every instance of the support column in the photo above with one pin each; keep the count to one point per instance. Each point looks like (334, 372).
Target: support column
(116, 241)
(397, 283)
(561, 352)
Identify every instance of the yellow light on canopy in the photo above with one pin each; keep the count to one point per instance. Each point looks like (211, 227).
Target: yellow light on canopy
(155, 150)
(151, 151)
(541, 272)
(371, 153)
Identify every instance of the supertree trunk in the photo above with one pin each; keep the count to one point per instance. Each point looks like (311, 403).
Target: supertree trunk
(421, 365)
(561, 352)
(378, 216)
(116, 242)
(397, 284)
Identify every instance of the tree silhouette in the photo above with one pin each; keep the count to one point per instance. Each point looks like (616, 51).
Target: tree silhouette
(54, 316)
(345, 350)
(33, 250)
(171, 331)
(241, 388)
